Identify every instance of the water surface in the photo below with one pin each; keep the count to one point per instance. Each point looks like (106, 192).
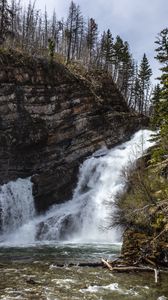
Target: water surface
(33, 273)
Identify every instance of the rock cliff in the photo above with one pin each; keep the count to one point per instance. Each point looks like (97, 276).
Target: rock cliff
(51, 120)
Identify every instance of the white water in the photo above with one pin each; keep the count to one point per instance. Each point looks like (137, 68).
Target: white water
(16, 205)
(83, 218)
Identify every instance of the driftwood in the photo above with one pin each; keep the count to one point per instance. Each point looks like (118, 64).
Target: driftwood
(118, 266)
(149, 261)
(132, 269)
(128, 268)
(107, 264)
(82, 264)
(156, 272)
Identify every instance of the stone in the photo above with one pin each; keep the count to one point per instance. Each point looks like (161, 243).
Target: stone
(51, 121)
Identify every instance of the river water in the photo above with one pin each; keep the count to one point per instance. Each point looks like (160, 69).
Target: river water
(35, 251)
(35, 273)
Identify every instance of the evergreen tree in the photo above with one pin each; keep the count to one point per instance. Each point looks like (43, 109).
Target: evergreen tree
(162, 106)
(118, 55)
(144, 75)
(91, 37)
(162, 57)
(162, 50)
(127, 71)
(107, 49)
(135, 90)
(101, 50)
(5, 20)
(155, 103)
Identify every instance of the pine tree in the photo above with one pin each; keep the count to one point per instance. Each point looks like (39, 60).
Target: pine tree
(155, 104)
(127, 70)
(91, 37)
(5, 20)
(107, 49)
(118, 55)
(162, 106)
(162, 50)
(162, 57)
(144, 75)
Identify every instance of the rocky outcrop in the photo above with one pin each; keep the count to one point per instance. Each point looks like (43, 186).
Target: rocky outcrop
(51, 120)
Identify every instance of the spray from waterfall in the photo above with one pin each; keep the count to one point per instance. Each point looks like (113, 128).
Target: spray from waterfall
(83, 218)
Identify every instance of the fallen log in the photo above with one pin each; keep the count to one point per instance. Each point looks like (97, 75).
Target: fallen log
(121, 268)
(138, 269)
(132, 269)
(116, 266)
(80, 264)
(149, 261)
(90, 264)
(107, 264)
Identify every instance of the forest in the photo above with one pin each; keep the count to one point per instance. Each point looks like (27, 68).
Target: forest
(76, 40)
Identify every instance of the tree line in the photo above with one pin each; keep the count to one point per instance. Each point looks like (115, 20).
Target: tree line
(77, 39)
(160, 99)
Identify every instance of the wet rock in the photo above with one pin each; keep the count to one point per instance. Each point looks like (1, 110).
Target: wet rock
(31, 281)
(56, 228)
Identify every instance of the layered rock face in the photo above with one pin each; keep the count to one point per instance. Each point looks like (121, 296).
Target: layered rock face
(51, 120)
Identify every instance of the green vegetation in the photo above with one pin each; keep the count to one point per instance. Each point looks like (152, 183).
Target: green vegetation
(160, 98)
(148, 184)
(147, 188)
(142, 209)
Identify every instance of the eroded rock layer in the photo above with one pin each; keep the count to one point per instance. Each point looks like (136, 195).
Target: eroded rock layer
(51, 120)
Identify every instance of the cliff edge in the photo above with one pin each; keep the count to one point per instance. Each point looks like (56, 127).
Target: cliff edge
(51, 120)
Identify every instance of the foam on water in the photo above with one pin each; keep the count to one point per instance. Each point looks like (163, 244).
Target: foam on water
(110, 287)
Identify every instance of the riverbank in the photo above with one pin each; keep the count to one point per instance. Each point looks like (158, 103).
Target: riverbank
(142, 210)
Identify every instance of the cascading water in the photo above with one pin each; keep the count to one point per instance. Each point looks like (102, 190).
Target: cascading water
(16, 205)
(84, 217)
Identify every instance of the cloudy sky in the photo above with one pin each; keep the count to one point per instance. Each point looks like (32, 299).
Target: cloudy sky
(136, 21)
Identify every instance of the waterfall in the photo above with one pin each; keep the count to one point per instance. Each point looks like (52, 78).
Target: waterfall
(84, 217)
(16, 205)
